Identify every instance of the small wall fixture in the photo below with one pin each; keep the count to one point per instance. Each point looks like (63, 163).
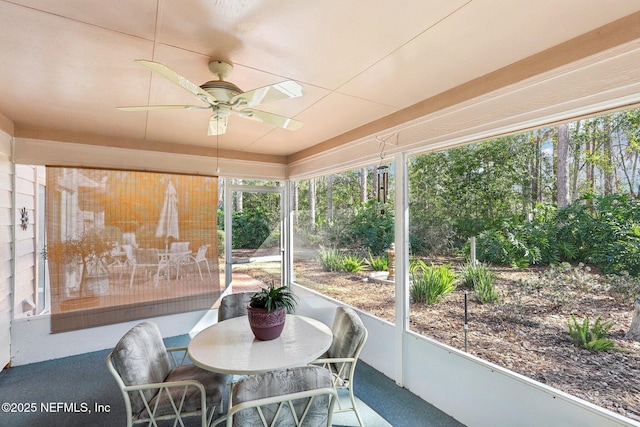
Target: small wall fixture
(24, 218)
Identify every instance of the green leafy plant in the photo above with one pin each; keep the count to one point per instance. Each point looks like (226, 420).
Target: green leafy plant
(485, 292)
(371, 227)
(432, 283)
(378, 263)
(272, 298)
(250, 228)
(329, 258)
(592, 338)
(351, 263)
(507, 246)
(478, 277)
(472, 273)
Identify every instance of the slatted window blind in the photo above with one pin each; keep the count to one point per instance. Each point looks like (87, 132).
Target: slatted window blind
(127, 245)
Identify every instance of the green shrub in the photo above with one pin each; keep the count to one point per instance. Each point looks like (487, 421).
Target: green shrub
(414, 265)
(478, 277)
(432, 283)
(371, 228)
(378, 263)
(329, 258)
(485, 291)
(592, 338)
(351, 263)
(221, 236)
(250, 228)
(332, 259)
(472, 273)
(507, 246)
(603, 230)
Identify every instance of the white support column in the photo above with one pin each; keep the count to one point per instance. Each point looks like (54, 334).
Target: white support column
(402, 260)
(228, 238)
(287, 234)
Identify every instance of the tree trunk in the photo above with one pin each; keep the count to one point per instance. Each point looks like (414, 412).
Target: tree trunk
(296, 200)
(535, 171)
(239, 201)
(561, 165)
(634, 329)
(608, 157)
(376, 184)
(591, 178)
(577, 149)
(312, 203)
(330, 198)
(363, 185)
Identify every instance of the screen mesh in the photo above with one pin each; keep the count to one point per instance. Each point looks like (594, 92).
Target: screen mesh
(126, 245)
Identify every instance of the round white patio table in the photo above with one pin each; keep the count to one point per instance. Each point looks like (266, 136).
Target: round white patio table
(229, 347)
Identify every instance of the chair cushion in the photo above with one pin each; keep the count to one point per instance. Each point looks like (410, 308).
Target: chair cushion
(140, 357)
(213, 383)
(278, 383)
(234, 305)
(348, 332)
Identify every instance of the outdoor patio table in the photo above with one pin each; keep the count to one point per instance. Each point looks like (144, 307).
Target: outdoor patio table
(172, 259)
(229, 347)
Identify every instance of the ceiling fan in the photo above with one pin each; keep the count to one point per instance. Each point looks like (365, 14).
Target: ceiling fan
(224, 97)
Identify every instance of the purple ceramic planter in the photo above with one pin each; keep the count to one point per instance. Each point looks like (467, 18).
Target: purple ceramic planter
(266, 326)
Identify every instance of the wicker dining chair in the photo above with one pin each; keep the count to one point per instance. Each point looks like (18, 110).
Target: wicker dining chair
(301, 397)
(349, 337)
(157, 384)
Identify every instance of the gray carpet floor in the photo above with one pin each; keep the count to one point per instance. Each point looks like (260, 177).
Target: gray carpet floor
(79, 391)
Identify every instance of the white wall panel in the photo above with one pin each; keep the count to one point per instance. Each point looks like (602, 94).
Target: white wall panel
(6, 238)
(24, 240)
(33, 341)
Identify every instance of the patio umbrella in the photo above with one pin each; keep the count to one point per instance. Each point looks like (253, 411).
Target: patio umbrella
(168, 222)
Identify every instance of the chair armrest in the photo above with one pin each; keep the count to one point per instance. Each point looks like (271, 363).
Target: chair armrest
(169, 384)
(176, 404)
(338, 368)
(276, 399)
(178, 355)
(333, 360)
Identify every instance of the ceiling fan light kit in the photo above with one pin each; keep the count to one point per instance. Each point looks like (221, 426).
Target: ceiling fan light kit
(224, 97)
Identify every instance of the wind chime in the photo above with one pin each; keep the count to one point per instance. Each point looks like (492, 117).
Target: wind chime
(383, 183)
(383, 176)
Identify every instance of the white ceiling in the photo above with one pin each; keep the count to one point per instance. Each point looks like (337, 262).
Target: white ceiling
(67, 65)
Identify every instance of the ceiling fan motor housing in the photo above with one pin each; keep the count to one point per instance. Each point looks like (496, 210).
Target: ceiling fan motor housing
(221, 90)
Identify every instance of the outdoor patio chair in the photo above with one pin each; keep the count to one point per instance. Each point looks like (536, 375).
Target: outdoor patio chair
(128, 260)
(200, 257)
(129, 239)
(179, 247)
(234, 305)
(301, 396)
(349, 337)
(149, 259)
(179, 254)
(157, 384)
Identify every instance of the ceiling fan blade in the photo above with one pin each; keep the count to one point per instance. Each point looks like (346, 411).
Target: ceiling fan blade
(176, 78)
(263, 95)
(270, 118)
(217, 125)
(163, 107)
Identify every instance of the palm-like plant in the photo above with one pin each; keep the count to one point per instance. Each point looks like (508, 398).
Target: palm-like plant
(272, 298)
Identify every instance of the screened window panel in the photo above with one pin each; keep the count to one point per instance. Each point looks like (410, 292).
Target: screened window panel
(128, 245)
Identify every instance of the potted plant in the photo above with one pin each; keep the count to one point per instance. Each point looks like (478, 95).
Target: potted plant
(267, 311)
